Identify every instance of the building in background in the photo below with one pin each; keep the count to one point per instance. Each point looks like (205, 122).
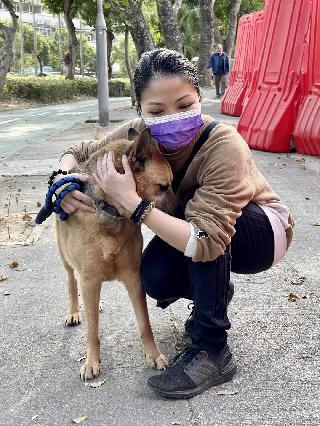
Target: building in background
(45, 22)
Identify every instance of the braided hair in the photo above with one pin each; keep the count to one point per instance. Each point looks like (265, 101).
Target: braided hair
(162, 62)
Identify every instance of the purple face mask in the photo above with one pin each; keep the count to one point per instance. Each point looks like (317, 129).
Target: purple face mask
(175, 131)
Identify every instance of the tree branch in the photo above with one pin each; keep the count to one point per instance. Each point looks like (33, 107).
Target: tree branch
(13, 15)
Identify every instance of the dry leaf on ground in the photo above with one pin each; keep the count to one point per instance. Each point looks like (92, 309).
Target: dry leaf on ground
(78, 420)
(13, 264)
(6, 293)
(316, 224)
(38, 204)
(26, 218)
(301, 161)
(293, 297)
(298, 281)
(228, 392)
(96, 384)
(3, 278)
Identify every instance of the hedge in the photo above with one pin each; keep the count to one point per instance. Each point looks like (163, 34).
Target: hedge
(58, 89)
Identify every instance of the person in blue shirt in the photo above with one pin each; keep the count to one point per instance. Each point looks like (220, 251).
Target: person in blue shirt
(219, 63)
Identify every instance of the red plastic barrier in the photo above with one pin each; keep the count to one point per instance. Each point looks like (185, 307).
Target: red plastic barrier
(307, 130)
(268, 117)
(247, 48)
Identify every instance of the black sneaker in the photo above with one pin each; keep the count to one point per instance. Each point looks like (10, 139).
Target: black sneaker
(192, 372)
(188, 325)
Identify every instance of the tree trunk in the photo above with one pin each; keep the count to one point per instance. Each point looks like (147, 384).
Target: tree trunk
(217, 35)
(232, 27)
(138, 28)
(70, 57)
(40, 66)
(128, 65)
(110, 38)
(8, 34)
(169, 25)
(206, 40)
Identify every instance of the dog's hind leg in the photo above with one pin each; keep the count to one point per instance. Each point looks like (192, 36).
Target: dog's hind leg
(137, 296)
(73, 317)
(90, 290)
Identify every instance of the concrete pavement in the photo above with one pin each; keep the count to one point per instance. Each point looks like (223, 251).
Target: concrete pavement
(274, 340)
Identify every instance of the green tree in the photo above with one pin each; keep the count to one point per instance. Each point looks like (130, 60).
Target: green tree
(227, 14)
(7, 34)
(69, 8)
(189, 23)
(44, 49)
(118, 56)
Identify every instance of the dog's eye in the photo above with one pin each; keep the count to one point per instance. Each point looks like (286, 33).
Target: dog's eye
(164, 187)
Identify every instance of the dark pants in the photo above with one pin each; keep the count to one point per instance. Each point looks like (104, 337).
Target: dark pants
(220, 82)
(166, 273)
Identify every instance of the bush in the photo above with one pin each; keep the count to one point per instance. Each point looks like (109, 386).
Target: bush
(119, 87)
(58, 89)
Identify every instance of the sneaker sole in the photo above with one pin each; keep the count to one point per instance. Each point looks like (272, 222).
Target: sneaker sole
(225, 377)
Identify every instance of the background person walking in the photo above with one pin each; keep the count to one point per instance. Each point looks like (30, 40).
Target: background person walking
(219, 63)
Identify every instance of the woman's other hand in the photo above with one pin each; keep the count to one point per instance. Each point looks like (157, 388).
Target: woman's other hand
(77, 200)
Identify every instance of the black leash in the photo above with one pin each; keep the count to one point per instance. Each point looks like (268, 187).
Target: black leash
(203, 138)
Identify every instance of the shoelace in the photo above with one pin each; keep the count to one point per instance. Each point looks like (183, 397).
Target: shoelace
(184, 357)
(191, 308)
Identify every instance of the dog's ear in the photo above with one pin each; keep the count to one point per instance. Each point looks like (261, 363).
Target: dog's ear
(141, 150)
(133, 134)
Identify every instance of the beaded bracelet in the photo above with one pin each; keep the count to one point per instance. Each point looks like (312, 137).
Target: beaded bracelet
(139, 211)
(146, 211)
(56, 173)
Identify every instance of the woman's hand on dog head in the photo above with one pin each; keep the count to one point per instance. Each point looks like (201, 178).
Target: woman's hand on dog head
(120, 186)
(77, 200)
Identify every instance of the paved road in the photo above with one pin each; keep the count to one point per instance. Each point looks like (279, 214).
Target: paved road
(20, 127)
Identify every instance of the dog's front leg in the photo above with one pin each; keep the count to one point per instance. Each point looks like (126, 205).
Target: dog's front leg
(91, 296)
(137, 296)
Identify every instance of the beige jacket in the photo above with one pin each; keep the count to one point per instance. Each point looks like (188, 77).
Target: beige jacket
(221, 180)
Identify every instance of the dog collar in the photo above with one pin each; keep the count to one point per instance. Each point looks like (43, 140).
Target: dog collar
(107, 210)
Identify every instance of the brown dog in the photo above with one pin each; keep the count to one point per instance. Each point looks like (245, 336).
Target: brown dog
(106, 245)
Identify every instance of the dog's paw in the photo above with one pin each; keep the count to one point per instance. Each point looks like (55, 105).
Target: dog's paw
(73, 319)
(159, 361)
(90, 370)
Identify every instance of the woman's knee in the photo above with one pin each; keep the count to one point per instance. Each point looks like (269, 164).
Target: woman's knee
(154, 281)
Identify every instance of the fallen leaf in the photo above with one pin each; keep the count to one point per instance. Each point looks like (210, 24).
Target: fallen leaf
(13, 264)
(33, 187)
(81, 359)
(100, 306)
(301, 161)
(38, 204)
(97, 384)
(228, 392)
(26, 218)
(298, 281)
(19, 190)
(316, 224)
(3, 278)
(6, 293)
(78, 420)
(307, 198)
(293, 297)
